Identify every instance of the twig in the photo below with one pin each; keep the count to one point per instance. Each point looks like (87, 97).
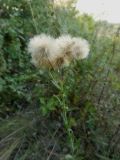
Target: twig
(110, 61)
(33, 17)
(53, 136)
(114, 141)
(13, 133)
(51, 151)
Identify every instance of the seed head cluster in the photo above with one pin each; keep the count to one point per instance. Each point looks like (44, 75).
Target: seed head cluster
(48, 52)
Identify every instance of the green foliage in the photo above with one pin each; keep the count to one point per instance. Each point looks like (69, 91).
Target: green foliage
(72, 113)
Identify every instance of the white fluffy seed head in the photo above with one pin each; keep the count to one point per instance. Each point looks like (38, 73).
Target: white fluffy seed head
(80, 48)
(63, 44)
(39, 43)
(42, 50)
(63, 41)
(47, 52)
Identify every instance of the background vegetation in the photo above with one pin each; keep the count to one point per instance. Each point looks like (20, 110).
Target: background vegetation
(70, 114)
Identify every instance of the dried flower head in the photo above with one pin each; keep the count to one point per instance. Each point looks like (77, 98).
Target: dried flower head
(42, 50)
(54, 53)
(80, 48)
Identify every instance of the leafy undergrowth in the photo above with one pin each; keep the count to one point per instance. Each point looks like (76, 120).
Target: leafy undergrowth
(66, 114)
